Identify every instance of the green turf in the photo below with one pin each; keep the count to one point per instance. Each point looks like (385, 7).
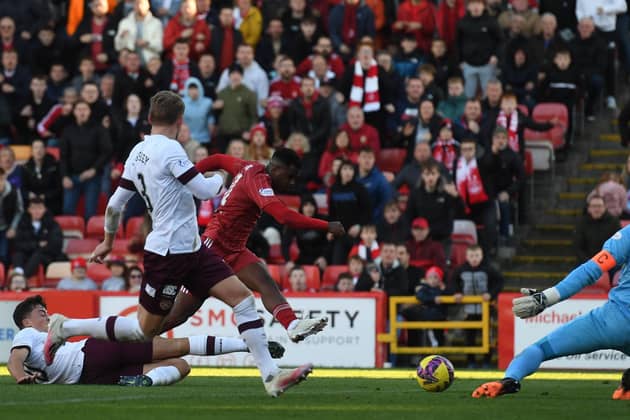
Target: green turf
(321, 399)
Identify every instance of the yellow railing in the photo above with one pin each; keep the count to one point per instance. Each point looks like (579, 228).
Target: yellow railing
(395, 325)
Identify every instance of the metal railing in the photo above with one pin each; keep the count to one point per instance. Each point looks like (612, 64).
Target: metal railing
(394, 325)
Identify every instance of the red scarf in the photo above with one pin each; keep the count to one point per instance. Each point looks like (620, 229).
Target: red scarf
(365, 91)
(511, 127)
(349, 26)
(469, 183)
(445, 151)
(308, 105)
(227, 49)
(181, 73)
(97, 46)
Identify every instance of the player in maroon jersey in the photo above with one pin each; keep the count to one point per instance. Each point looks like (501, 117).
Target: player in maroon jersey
(253, 191)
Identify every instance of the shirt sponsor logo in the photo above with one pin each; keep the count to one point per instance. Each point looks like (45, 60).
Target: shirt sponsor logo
(266, 192)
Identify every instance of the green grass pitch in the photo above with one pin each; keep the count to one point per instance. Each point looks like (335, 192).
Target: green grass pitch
(317, 398)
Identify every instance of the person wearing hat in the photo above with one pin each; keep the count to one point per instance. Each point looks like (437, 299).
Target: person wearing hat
(118, 268)
(424, 252)
(78, 279)
(238, 105)
(38, 239)
(258, 149)
(275, 121)
(506, 170)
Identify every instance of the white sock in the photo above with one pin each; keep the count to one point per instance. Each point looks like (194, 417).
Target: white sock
(251, 328)
(208, 345)
(113, 328)
(164, 375)
(223, 345)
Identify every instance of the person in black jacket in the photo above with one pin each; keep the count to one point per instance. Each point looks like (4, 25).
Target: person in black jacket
(478, 39)
(391, 277)
(310, 115)
(85, 148)
(272, 43)
(505, 167)
(95, 34)
(133, 78)
(41, 177)
(223, 51)
(311, 243)
(38, 239)
(593, 229)
(589, 52)
(392, 227)
(476, 278)
(519, 74)
(11, 209)
(348, 202)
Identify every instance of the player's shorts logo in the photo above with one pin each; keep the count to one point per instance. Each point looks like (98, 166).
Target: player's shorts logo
(166, 304)
(169, 290)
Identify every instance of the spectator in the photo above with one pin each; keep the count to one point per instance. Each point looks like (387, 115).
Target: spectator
(391, 277)
(249, 21)
(107, 90)
(99, 111)
(236, 148)
(544, 46)
(59, 116)
(491, 104)
(445, 148)
(17, 282)
(414, 274)
(225, 39)
(129, 127)
(424, 252)
(410, 174)
(207, 13)
(133, 78)
(367, 248)
(432, 91)
(449, 12)
(95, 35)
(475, 278)
(86, 73)
(165, 9)
(273, 43)
(198, 112)
(33, 109)
(187, 143)
(612, 191)
(185, 25)
(469, 126)
(519, 75)
(505, 168)
(38, 239)
(238, 106)
(360, 133)
(593, 228)
(441, 61)
(344, 283)
(12, 170)
(357, 269)
(286, 85)
(85, 148)
(365, 85)
(309, 114)
(348, 202)
(339, 148)
(438, 202)
(409, 57)
(173, 73)
(57, 81)
(323, 47)
(207, 75)
(41, 177)
(258, 150)
(423, 129)
(47, 48)
(392, 227)
(416, 17)
(478, 39)
(134, 279)
(254, 77)
(275, 121)
(337, 109)
(407, 106)
(140, 31)
(78, 280)
(430, 308)
(564, 11)
(589, 50)
(393, 79)
(297, 281)
(453, 106)
(348, 22)
(305, 40)
(374, 182)
(8, 35)
(530, 17)
(15, 77)
(311, 243)
(604, 16)
(117, 282)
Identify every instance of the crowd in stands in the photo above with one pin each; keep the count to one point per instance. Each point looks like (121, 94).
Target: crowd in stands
(407, 116)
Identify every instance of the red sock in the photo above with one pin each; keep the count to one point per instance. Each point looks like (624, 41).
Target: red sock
(284, 314)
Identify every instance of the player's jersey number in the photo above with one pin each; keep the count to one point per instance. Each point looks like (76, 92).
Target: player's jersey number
(143, 192)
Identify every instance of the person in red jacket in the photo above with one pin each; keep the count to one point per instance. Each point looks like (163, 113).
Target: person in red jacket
(324, 47)
(286, 85)
(360, 133)
(253, 190)
(339, 147)
(417, 17)
(423, 251)
(186, 25)
(448, 14)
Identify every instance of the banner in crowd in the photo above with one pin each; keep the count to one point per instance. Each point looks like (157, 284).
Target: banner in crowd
(349, 340)
(516, 334)
(8, 329)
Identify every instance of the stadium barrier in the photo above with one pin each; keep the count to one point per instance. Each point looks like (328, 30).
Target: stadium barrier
(395, 325)
(349, 340)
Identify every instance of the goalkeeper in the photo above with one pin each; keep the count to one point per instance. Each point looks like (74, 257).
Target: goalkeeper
(605, 327)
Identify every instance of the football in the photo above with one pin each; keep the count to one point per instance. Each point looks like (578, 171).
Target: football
(435, 373)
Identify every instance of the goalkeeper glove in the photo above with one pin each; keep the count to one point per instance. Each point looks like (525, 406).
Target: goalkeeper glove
(533, 303)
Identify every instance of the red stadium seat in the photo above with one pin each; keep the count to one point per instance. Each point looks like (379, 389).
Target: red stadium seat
(543, 113)
(331, 273)
(529, 163)
(133, 225)
(458, 253)
(121, 247)
(292, 201)
(464, 231)
(312, 277)
(80, 247)
(98, 272)
(276, 272)
(94, 228)
(72, 226)
(391, 160)
(100, 209)
(54, 151)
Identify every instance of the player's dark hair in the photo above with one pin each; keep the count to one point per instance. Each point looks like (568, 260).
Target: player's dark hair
(166, 108)
(286, 157)
(24, 309)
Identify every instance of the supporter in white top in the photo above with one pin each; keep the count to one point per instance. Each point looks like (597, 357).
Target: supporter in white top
(140, 31)
(116, 283)
(78, 280)
(254, 77)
